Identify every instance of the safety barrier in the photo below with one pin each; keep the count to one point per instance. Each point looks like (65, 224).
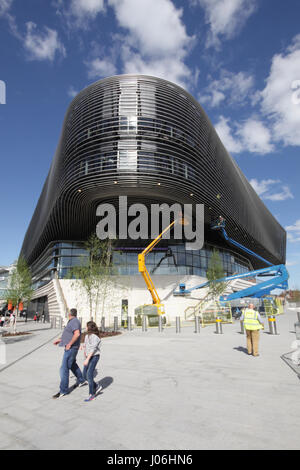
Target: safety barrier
(218, 311)
(273, 307)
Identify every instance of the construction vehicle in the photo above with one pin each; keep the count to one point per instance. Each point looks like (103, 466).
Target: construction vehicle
(278, 274)
(156, 308)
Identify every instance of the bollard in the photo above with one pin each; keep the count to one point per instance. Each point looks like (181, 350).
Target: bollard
(115, 323)
(197, 324)
(80, 319)
(219, 329)
(275, 326)
(144, 323)
(61, 323)
(51, 322)
(271, 323)
(160, 326)
(242, 327)
(298, 315)
(129, 324)
(178, 326)
(102, 324)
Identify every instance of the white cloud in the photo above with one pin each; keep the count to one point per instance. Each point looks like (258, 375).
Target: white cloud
(234, 88)
(5, 6)
(226, 17)
(255, 137)
(80, 13)
(87, 7)
(232, 144)
(42, 45)
(277, 97)
(293, 232)
(98, 68)
(155, 27)
(155, 40)
(268, 189)
(72, 92)
(251, 136)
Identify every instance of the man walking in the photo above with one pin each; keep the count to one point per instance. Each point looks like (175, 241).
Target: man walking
(252, 324)
(70, 340)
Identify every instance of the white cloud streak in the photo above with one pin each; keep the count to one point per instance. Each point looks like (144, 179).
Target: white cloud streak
(268, 189)
(250, 136)
(293, 232)
(234, 89)
(277, 97)
(42, 45)
(226, 18)
(155, 40)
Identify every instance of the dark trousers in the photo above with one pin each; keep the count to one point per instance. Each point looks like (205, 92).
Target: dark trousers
(69, 363)
(88, 373)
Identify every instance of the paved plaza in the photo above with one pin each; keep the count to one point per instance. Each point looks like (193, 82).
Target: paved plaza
(160, 391)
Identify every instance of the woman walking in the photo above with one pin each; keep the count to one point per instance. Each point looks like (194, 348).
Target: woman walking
(92, 343)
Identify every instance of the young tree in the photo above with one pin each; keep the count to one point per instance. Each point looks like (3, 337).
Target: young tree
(96, 273)
(215, 271)
(20, 285)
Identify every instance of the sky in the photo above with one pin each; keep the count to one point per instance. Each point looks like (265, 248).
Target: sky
(239, 58)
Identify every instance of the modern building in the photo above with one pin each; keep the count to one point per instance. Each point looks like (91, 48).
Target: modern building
(150, 140)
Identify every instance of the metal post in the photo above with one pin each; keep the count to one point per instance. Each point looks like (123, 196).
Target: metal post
(144, 323)
(102, 324)
(80, 319)
(160, 327)
(298, 315)
(60, 323)
(271, 321)
(115, 323)
(242, 327)
(219, 329)
(178, 325)
(129, 324)
(197, 324)
(51, 322)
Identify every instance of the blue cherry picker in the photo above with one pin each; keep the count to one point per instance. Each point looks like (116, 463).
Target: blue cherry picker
(278, 274)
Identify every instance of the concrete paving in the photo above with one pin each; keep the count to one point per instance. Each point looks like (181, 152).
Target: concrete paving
(160, 391)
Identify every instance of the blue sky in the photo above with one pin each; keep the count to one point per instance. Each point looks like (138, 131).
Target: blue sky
(239, 58)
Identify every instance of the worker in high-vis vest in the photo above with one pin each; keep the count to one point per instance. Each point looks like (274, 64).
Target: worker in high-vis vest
(252, 324)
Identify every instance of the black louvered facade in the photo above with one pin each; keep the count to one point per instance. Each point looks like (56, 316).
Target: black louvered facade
(148, 139)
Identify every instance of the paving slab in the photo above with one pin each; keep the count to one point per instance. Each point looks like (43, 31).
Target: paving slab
(160, 391)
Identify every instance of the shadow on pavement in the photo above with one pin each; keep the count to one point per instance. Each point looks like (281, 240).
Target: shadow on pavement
(106, 382)
(241, 349)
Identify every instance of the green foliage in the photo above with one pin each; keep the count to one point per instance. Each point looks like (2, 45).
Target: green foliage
(20, 285)
(215, 271)
(95, 273)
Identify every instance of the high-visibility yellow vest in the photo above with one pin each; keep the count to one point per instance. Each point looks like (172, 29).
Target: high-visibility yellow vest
(251, 320)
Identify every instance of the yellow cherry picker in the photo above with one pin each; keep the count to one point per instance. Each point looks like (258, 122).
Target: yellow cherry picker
(157, 308)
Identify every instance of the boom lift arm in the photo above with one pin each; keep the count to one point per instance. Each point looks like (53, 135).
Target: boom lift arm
(145, 273)
(278, 273)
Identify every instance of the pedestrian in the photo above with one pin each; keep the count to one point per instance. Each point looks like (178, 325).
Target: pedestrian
(92, 344)
(252, 324)
(12, 323)
(70, 341)
(2, 321)
(35, 318)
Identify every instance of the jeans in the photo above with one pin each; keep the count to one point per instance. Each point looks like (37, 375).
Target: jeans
(69, 363)
(88, 373)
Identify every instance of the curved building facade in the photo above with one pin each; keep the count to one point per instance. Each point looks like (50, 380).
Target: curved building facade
(150, 140)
